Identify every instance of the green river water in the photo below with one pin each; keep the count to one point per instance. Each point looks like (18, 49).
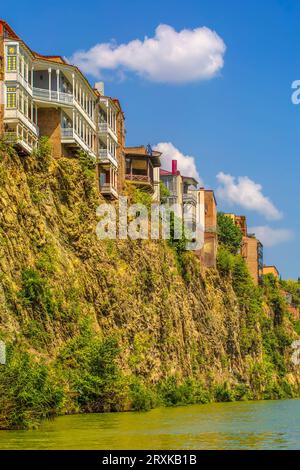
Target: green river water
(244, 425)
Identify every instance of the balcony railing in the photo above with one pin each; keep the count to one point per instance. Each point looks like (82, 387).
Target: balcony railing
(52, 95)
(189, 198)
(109, 189)
(141, 178)
(22, 137)
(104, 154)
(10, 137)
(67, 132)
(103, 127)
(70, 136)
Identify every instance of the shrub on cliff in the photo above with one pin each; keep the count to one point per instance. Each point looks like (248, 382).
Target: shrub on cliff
(229, 234)
(89, 366)
(28, 391)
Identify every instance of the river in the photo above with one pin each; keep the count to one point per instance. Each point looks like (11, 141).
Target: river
(244, 425)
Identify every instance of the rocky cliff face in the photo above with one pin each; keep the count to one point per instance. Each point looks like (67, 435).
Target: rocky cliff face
(170, 320)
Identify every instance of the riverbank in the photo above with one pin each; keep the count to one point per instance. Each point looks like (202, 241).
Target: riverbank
(243, 425)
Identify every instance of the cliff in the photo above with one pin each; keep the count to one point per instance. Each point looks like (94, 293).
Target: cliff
(96, 325)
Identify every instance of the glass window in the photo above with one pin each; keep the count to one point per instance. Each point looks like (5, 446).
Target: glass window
(102, 179)
(11, 98)
(11, 58)
(11, 63)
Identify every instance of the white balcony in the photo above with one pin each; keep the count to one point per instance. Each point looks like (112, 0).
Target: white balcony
(107, 189)
(11, 115)
(190, 198)
(105, 128)
(52, 96)
(21, 137)
(106, 156)
(70, 137)
(67, 133)
(84, 112)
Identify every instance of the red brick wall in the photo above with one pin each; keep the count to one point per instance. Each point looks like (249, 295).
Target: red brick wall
(49, 121)
(210, 233)
(250, 254)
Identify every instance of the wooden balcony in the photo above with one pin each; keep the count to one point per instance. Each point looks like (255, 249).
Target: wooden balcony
(139, 179)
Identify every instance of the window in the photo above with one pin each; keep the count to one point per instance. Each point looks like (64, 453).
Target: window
(11, 63)
(102, 179)
(11, 97)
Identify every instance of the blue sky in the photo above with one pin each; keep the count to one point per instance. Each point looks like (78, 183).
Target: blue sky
(240, 122)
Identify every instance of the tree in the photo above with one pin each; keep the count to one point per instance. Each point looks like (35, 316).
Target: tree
(229, 234)
(164, 193)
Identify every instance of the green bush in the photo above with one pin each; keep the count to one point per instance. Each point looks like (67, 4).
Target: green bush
(223, 393)
(164, 193)
(28, 392)
(42, 154)
(91, 369)
(189, 392)
(142, 398)
(225, 261)
(275, 298)
(36, 293)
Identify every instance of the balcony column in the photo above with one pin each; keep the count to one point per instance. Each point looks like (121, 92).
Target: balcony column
(57, 83)
(18, 59)
(73, 86)
(73, 119)
(32, 69)
(49, 78)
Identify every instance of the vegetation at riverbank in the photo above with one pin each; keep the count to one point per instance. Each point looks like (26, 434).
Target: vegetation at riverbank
(94, 326)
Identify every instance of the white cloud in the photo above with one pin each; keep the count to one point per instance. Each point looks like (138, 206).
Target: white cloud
(185, 163)
(170, 56)
(270, 236)
(247, 194)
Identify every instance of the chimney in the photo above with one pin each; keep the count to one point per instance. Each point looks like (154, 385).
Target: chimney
(174, 167)
(100, 87)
